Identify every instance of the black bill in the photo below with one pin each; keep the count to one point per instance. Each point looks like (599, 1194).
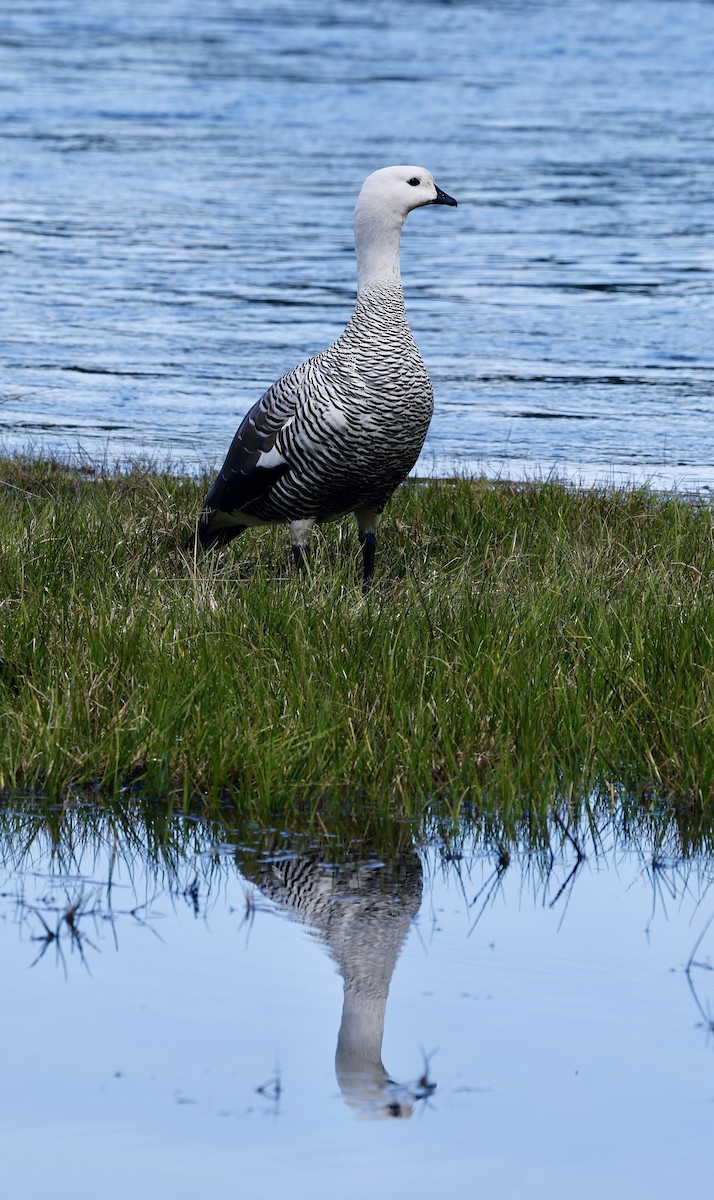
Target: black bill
(442, 198)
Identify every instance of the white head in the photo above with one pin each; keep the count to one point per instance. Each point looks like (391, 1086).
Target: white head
(385, 200)
(397, 190)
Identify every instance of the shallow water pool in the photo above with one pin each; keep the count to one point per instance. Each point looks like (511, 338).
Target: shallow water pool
(205, 1018)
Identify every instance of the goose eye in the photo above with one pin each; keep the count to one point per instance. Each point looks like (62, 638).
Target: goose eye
(414, 182)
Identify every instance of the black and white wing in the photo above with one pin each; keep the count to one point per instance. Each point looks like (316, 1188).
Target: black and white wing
(254, 462)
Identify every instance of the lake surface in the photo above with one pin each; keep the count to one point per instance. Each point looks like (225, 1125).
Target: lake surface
(198, 1014)
(176, 191)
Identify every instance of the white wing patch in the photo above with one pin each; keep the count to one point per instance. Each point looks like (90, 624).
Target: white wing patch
(271, 458)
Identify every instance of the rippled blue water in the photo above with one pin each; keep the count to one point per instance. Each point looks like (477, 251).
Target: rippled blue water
(176, 191)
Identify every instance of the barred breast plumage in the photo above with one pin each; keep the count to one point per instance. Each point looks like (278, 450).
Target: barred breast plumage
(342, 430)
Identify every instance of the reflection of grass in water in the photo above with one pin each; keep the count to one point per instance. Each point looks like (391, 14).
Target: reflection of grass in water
(520, 642)
(76, 873)
(102, 846)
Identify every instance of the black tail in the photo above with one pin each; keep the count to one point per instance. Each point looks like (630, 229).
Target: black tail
(209, 537)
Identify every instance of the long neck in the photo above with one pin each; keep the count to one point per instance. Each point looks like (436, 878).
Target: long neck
(360, 1073)
(359, 1043)
(377, 235)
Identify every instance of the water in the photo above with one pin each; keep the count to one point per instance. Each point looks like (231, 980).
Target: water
(221, 1017)
(176, 191)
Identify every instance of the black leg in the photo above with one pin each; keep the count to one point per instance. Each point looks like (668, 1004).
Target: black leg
(300, 556)
(368, 542)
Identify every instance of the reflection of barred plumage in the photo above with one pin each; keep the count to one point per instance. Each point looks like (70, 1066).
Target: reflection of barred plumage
(363, 914)
(341, 431)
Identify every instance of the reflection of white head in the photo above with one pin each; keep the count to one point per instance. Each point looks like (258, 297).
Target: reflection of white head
(386, 199)
(363, 913)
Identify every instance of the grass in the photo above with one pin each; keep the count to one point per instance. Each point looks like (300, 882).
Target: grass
(520, 643)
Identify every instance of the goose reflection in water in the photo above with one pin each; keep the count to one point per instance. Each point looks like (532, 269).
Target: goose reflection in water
(362, 911)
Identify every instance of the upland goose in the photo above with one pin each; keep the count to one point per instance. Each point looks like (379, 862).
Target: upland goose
(341, 431)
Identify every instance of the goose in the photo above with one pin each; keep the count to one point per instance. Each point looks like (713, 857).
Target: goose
(341, 431)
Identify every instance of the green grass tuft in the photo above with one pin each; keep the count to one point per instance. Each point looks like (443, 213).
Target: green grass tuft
(520, 642)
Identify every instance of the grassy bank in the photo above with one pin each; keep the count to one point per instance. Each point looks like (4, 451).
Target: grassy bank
(519, 642)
